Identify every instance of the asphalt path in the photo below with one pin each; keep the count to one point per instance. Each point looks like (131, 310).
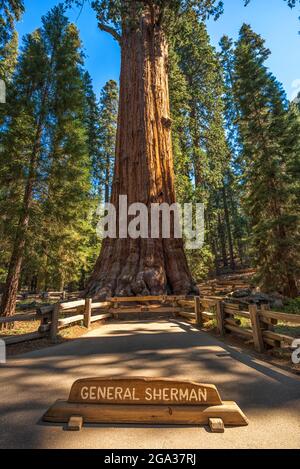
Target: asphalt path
(31, 382)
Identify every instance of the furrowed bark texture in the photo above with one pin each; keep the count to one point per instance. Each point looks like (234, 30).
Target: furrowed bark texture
(144, 172)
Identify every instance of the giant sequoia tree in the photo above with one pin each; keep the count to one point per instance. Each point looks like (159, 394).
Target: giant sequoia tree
(144, 159)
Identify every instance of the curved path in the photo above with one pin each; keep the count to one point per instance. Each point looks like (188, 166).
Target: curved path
(30, 383)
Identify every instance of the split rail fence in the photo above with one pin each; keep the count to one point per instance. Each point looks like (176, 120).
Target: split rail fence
(227, 315)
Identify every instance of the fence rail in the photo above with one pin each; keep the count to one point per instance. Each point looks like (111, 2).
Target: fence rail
(228, 317)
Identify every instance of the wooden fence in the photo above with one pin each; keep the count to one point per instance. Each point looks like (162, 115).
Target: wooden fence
(222, 287)
(261, 322)
(49, 295)
(54, 317)
(227, 315)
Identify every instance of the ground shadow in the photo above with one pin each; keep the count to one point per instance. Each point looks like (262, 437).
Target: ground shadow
(174, 349)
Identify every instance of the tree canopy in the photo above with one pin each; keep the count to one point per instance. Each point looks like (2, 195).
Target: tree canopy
(10, 12)
(118, 16)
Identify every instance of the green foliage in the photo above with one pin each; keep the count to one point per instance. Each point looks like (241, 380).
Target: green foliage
(201, 262)
(292, 306)
(101, 121)
(232, 182)
(270, 148)
(92, 119)
(107, 137)
(10, 11)
(200, 151)
(48, 98)
(119, 16)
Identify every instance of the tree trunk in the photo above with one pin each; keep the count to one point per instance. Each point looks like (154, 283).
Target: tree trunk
(237, 231)
(222, 239)
(8, 303)
(143, 171)
(228, 227)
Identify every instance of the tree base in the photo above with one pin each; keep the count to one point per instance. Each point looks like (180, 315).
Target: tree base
(141, 267)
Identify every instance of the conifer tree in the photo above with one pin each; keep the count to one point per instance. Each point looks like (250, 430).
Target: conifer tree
(92, 122)
(67, 187)
(10, 11)
(28, 116)
(236, 221)
(45, 137)
(180, 111)
(270, 146)
(201, 68)
(107, 132)
(196, 91)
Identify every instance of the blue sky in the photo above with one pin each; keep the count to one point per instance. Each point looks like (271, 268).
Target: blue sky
(271, 18)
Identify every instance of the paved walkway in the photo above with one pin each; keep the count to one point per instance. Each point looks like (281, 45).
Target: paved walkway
(30, 383)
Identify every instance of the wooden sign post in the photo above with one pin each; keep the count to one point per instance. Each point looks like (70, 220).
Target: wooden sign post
(144, 400)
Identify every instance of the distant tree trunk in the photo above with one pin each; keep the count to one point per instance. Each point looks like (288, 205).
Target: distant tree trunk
(143, 171)
(222, 239)
(33, 283)
(61, 282)
(237, 232)
(228, 228)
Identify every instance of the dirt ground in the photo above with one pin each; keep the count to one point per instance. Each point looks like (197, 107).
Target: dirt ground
(66, 334)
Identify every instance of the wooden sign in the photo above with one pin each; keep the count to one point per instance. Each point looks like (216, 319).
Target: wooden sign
(142, 391)
(144, 400)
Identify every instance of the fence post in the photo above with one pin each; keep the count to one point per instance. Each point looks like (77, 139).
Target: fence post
(272, 322)
(54, 323)
(87, 312)
(256, 329)
(115, 307)
(220, 317)
(197, 308)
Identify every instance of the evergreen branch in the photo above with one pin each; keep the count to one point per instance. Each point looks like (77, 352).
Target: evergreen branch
(110, 30)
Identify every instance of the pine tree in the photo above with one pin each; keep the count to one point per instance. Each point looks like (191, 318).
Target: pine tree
(92, 122)
(180, 110)
(10, 11)
(46, 139)
(201, 68)
(67, 188)
(28, 119)
(270, 146)
(107, 132)
(200, 151)
(236, 220)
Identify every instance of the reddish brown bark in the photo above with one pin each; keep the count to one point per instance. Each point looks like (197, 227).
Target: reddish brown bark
(143, 171)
